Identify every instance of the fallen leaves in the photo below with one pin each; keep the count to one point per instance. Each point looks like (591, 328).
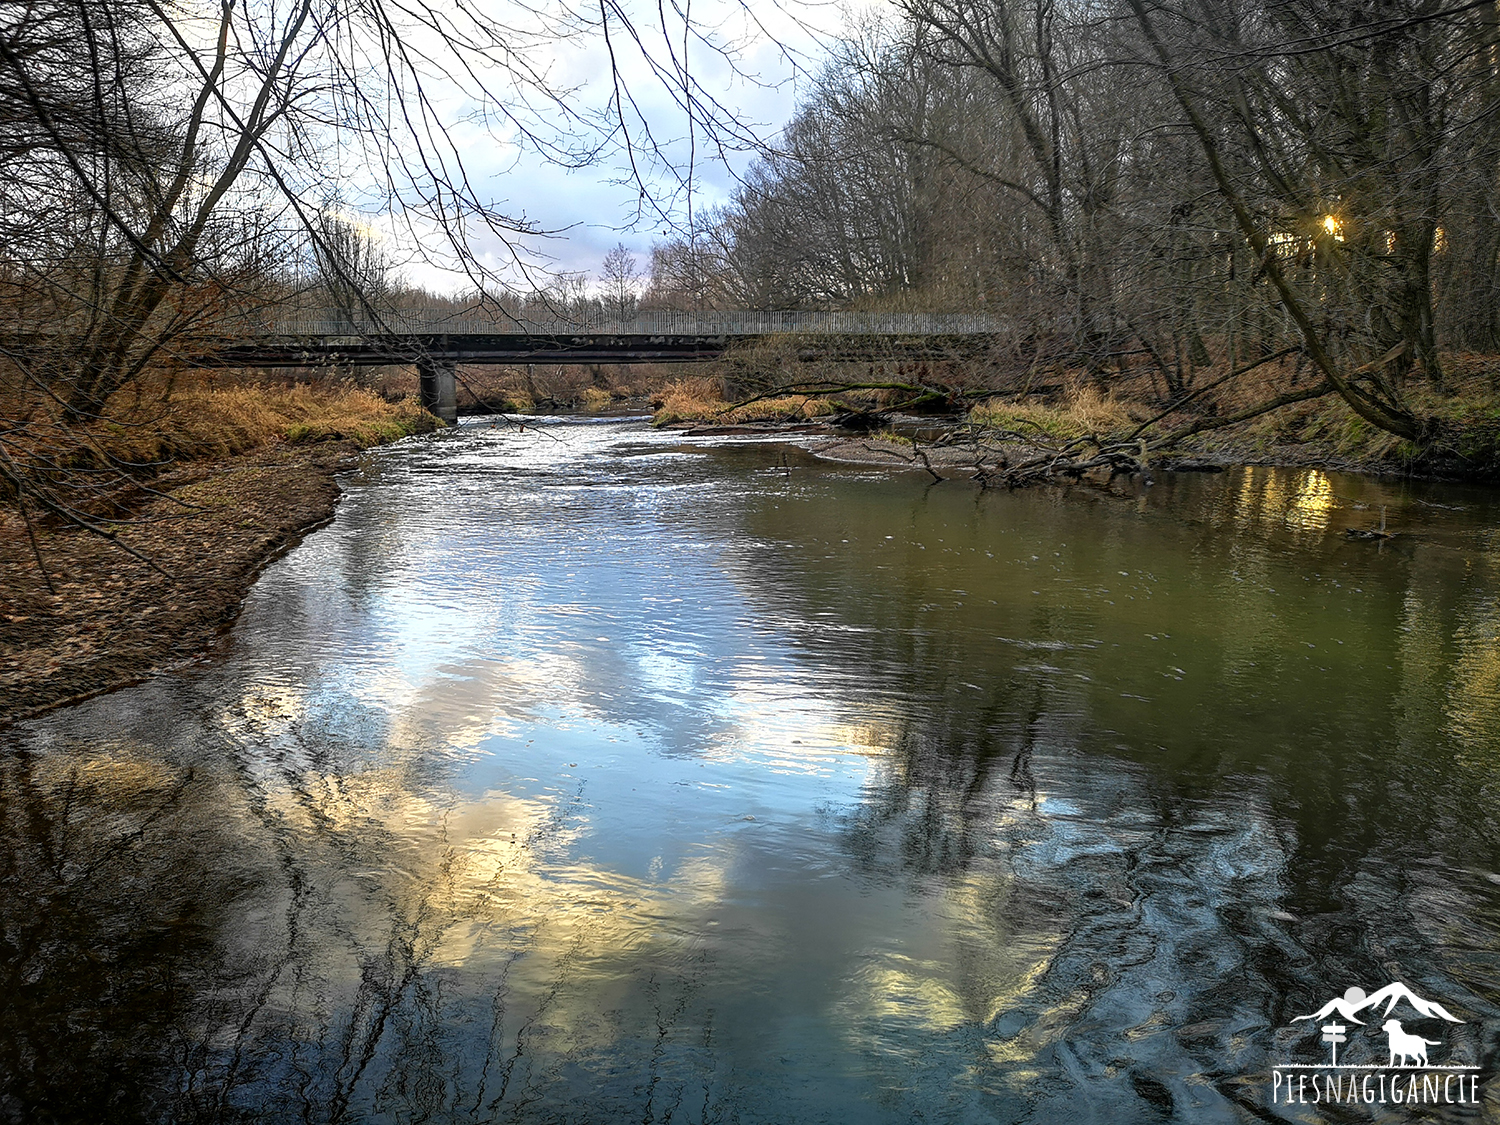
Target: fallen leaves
(113, 620)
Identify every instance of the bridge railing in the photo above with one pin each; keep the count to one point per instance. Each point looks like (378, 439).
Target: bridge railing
(317, 322)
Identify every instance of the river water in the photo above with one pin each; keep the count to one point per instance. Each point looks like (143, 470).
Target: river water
(581, 773)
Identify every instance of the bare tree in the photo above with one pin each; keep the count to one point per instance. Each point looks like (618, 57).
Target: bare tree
(618, 278)
(1162, 186)
(354, 274)
(161, 164)
(686, 275)
(1339, 189)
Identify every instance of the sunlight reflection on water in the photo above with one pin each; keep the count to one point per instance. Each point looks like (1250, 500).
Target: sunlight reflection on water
(585, 773)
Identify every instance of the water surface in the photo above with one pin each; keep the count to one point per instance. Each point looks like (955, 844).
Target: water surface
(582, 774)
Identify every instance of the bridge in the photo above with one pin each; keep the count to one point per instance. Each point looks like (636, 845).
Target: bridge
(437, 343)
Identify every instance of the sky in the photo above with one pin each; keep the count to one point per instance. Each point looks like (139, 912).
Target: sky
(765, 54)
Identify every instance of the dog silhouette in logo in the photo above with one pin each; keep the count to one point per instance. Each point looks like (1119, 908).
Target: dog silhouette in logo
(1407, 1046)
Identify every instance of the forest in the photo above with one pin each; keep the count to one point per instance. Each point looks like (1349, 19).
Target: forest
(1157, 194)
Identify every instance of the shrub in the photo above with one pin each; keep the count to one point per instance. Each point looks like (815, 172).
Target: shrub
(595, 399)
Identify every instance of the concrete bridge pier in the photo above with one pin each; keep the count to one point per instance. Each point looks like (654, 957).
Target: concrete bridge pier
(439, 387)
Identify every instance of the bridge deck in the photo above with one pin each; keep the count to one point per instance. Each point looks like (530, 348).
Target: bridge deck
(493, 322)
(286, 350)
(323, 337)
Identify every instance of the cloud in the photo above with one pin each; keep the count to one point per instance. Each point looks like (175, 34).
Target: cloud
(745, 65)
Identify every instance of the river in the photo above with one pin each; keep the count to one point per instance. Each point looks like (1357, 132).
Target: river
(584, 773)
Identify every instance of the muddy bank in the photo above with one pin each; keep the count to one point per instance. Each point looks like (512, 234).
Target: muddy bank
(961, 459)
(111, 619)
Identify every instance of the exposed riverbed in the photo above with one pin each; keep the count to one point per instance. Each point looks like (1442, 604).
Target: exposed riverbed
(585, 773)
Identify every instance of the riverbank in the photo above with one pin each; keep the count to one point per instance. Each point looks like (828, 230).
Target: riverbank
(255, 469)
(92, 617)
(947, 447)
(962, 460)
(1320, 431)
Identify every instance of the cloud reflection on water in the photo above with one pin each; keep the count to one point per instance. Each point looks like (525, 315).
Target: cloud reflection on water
(608, 782)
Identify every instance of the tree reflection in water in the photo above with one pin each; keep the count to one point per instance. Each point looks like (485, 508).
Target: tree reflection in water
(838, 799)
(115, 894)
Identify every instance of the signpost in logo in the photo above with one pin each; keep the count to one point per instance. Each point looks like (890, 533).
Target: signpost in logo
(1408, 1076)
(1333, 1035)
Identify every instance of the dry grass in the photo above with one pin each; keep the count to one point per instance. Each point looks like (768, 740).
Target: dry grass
(595, 399)
(1083, 411)
(204, 422)
(1328, 428)
(787, 408)
(702, 400)
(689, 400)
(209, 422)
(513, 402)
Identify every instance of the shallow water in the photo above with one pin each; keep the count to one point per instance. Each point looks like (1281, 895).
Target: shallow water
(581, 773)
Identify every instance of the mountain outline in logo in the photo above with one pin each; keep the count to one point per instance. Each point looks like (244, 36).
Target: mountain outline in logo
(1407, 1075)
(1355, 1000)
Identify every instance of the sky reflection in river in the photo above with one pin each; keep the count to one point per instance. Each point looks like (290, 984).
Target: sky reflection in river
(582, 774)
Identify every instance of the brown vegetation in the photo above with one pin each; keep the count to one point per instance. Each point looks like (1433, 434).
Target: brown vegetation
(1128, 189)
(91, 617)
(87, 470)
(1062, 418)
(225, 478)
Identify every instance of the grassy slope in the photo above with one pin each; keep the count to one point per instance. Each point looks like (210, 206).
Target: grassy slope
(237, 475)
(207, 422)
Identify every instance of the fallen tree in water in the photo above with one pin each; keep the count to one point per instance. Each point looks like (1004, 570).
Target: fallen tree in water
(1068, 427)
